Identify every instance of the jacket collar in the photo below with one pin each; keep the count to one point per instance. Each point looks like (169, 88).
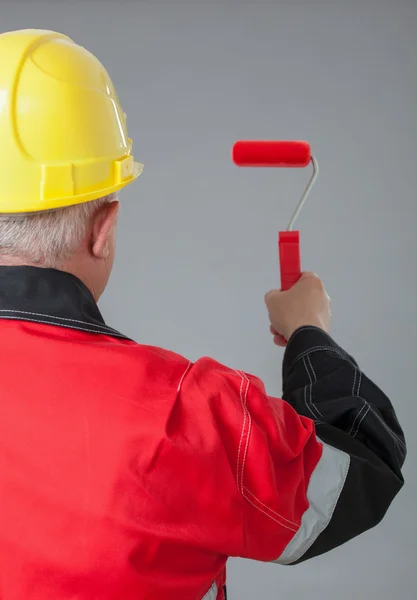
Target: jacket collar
(50, 297)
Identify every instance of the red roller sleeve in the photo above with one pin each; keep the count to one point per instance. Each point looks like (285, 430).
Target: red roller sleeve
(258, 153)
(287, 154)
(289, 258)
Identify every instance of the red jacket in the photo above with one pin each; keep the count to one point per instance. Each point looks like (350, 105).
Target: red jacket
(129, 473)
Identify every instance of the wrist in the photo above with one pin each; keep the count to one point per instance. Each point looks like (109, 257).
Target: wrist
(314, 322)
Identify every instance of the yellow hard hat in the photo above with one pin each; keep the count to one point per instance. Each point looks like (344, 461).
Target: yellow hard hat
(63, 136)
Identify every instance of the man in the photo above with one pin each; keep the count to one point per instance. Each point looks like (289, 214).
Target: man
(126, 471)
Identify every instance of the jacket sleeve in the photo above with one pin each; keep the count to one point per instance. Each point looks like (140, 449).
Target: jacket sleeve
(355, 421)
(283, 480)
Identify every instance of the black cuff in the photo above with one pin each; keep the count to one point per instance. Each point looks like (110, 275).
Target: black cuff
(309, 339)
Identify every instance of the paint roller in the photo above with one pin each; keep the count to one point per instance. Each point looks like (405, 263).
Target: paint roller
(281, 154)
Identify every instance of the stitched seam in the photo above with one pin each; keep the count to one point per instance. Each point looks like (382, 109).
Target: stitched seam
(387, 428)
(319, 349)
(297, 525)
(358, 378)
(311, 367)
(26, 312)
(354, 381)
(357, 417)
(183, 376)
(268, 515)
(14, 318)
(243, 430)
(311, 386)
(308, 406)
(249, 430)
(309, 486)
(360, 422)
(336, 501)
(247, 416)
(359, 383)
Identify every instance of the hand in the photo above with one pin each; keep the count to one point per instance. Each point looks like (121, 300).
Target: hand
(306, 303)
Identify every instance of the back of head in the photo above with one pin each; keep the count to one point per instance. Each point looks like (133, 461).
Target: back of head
(64, 147)
(49, 238)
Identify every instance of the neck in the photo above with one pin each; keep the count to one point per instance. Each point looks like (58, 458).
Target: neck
(14, 261)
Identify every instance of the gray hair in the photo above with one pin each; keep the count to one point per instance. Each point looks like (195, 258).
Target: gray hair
(48, 238)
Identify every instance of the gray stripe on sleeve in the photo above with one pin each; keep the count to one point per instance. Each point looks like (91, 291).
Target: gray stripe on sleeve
(326, 485)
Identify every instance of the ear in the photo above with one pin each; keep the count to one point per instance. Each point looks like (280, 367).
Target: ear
(104, 225)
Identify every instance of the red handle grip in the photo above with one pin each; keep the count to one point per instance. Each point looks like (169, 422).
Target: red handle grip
(289, 258)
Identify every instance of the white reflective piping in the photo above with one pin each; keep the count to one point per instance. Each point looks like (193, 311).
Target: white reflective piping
(212, 593)
(326, 485)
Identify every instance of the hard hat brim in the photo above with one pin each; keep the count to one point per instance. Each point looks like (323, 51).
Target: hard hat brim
(55, 203)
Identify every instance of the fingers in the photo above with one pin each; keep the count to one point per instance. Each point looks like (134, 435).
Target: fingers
(305, 275)
(279, 340)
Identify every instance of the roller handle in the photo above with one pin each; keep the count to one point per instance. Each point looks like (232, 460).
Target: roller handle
(289, 258)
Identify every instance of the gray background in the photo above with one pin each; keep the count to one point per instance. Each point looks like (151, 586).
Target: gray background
(197, 245)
